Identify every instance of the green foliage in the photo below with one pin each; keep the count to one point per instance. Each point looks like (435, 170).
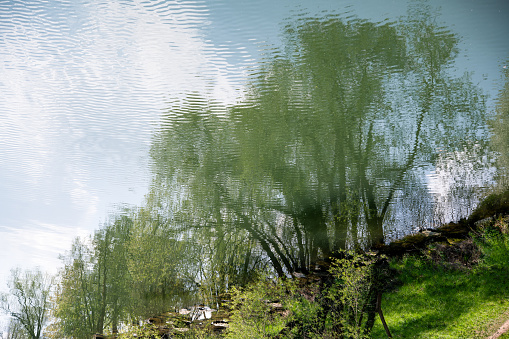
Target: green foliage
(343, 309)
(27, 302)
(77, 296)
(351, 294)
(305, 317)
(302, 164)
(93, 290)
(493, 242)
(288, 175)
(257, 310)
(438, 302)
(159, 267)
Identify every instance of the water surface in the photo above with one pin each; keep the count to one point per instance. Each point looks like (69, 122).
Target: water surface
(267, 96)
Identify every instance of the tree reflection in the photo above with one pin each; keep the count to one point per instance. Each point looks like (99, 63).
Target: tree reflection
(500, 127)
(328, 134)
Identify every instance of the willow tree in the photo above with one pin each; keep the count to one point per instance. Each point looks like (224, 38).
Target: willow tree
(330, 131)
(194, 160)
(500, 138)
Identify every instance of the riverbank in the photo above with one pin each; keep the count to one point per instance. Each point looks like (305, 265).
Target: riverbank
(450, 282)
(454, 280)
(441, 299)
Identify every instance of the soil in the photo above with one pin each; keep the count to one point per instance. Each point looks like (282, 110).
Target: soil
(502, 329)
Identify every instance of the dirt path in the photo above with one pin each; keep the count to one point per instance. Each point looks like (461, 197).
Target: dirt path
(504, 328)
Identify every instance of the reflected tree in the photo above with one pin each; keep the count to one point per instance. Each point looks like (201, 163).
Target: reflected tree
(93, 291)
(500, 127)
(130, 269)
(78, 295)
(326, 137)
(160, 267)
(27, 303)
(189, 164)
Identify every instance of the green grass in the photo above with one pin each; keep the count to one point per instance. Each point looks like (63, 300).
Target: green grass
(435, 302)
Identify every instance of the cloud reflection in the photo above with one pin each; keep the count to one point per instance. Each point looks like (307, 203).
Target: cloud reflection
(82, 86)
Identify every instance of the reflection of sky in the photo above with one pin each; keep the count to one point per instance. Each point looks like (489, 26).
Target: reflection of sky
(82, 85)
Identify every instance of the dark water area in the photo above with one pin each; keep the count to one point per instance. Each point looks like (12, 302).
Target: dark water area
(246, 134)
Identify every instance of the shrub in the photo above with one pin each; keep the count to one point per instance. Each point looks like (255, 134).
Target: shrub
(350, 295)
(493, 242)
(258, 311)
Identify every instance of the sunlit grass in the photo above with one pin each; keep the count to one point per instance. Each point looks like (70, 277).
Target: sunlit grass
(435, 302)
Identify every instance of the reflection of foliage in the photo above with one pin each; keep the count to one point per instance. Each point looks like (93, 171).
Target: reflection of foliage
(78, 298)
(312, 162)
(158, 267)
(500, 126)
(459, 178)
(328, 135)
(130, 269)
(27, 303)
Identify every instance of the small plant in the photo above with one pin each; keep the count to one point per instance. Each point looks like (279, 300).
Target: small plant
(258, 311)
(305, 319)
(493, 243)
(351, 294)
(146, 331)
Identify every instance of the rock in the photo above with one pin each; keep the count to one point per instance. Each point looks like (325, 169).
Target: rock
(430, 233)
(184, 311)
(299, 275)
(219, 326)
(181, 329)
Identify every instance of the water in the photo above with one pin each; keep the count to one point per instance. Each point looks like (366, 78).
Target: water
(89, 90)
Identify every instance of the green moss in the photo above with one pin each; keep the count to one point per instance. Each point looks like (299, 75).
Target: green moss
(492, 205)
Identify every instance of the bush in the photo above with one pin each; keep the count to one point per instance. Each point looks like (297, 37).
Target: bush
(493, 242)
(342, 304)
(351, 295)
(259, 310)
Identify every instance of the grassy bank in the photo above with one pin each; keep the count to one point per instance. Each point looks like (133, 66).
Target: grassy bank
(439, 302)
(447, 287)
(458, 293)
(445, 290)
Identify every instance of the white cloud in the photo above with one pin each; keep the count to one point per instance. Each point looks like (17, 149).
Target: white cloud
(81, 89)
(38, 245)
(459, 180)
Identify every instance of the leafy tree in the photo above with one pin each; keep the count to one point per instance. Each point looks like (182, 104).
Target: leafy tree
(76, 299)
(330, 132)
(160, 267)
(500, 127)
(28, 302)
(93, 291)
(219, 253)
